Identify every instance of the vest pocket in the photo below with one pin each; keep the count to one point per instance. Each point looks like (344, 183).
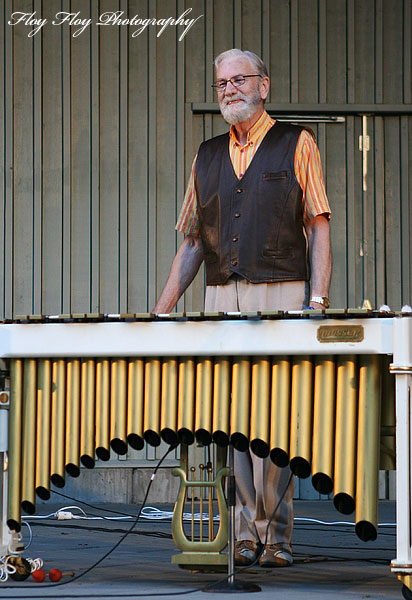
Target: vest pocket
(279, 253)
(268, 176)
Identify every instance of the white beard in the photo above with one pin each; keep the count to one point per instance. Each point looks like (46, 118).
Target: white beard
(238, 113)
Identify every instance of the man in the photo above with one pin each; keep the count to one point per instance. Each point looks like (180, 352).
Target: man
(255, 209)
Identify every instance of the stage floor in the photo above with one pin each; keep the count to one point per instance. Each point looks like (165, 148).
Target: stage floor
(330, 561)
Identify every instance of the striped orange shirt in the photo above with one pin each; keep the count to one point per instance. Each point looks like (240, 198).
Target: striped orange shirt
(308, 171)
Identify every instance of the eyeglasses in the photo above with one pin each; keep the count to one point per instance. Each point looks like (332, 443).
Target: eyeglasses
(237, 82)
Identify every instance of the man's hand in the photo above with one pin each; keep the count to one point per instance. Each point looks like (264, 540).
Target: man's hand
(184, 267)
(320, 257)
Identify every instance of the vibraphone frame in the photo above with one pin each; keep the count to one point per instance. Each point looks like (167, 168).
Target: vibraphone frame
(317, 333)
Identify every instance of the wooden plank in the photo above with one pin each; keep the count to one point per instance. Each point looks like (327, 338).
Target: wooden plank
(209, 66)
(165, 142)
(410, 207)
(37, 167)
(180, 131)
(219, 125)
(251, 26)
(282, 48)
(94, 160)
(6, 153)
(393, 56)
(239, 40)
(380, 210)
(351, 219)
(322, 51)
(138, 167)
(123, 163)
(223, 25)
(322, 58)
(393, 213)
(80, 165)
(194, 297)
(265, 44)
(201, 129)
(152, 169)
(406, 207)
(308, 71)
(368, 219)
(2, 163)
(350, 52)
(294, 51)
(379, 51)
(327, 109)
(52, 163)
(336, 48)
(23, 167)
(109, 165)
(8, 180)
(199, 67)
(364, 46)
(337, 193)
(407, 52)
(67, 165)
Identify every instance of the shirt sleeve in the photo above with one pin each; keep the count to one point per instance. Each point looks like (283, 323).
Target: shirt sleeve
(188, 220)
(308, 171)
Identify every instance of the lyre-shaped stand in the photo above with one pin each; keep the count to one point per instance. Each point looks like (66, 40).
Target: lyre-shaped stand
(198, 554)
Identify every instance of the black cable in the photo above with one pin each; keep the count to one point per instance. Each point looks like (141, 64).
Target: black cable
(156, 594)
(93, 566)
(161, 594)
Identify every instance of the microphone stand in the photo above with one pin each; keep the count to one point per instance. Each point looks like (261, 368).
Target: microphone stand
(230, 585)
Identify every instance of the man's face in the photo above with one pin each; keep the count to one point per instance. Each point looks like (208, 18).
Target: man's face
(238, 105)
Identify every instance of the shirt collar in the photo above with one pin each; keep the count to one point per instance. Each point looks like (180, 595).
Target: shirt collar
(263, 123)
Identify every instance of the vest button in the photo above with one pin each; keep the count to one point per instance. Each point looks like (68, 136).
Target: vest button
(234, 262)
(237, 215)
(239, 190)
(235, 239)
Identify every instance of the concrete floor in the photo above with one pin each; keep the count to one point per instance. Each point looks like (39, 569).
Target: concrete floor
(330, 561)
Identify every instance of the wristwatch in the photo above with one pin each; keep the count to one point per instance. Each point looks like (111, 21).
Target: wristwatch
(321, 300)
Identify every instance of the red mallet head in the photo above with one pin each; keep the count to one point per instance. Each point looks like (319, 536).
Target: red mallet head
(56, 574)
(38, 575)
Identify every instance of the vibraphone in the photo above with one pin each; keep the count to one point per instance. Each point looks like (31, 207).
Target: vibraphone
(306, 389)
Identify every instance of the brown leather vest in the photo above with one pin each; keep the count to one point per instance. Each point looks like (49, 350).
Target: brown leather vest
(252, 226)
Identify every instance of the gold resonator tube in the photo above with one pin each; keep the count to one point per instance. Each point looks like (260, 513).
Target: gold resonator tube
(320, 415)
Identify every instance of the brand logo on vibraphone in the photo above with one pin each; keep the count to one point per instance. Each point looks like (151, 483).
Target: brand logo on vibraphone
(340, 333)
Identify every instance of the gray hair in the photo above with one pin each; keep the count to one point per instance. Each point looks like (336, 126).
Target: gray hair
(256, 61)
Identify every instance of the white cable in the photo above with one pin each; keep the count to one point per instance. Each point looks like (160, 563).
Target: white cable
(338, 522)
(35, 563)
(26, 546)
(65, 508)
(152, 513)
(5, 568)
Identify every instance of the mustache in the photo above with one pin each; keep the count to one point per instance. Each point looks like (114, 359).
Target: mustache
(238, 96)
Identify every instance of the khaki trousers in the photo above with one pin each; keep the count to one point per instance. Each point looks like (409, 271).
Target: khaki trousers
(259, 483)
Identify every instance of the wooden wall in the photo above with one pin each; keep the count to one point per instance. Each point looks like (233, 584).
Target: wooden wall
(98, 133)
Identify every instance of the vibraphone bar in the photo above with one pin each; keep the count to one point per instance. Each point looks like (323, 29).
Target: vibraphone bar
(310, 389)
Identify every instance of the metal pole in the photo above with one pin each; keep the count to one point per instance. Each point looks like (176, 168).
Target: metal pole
(5, 534)
(231, 500)
(230, 586)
